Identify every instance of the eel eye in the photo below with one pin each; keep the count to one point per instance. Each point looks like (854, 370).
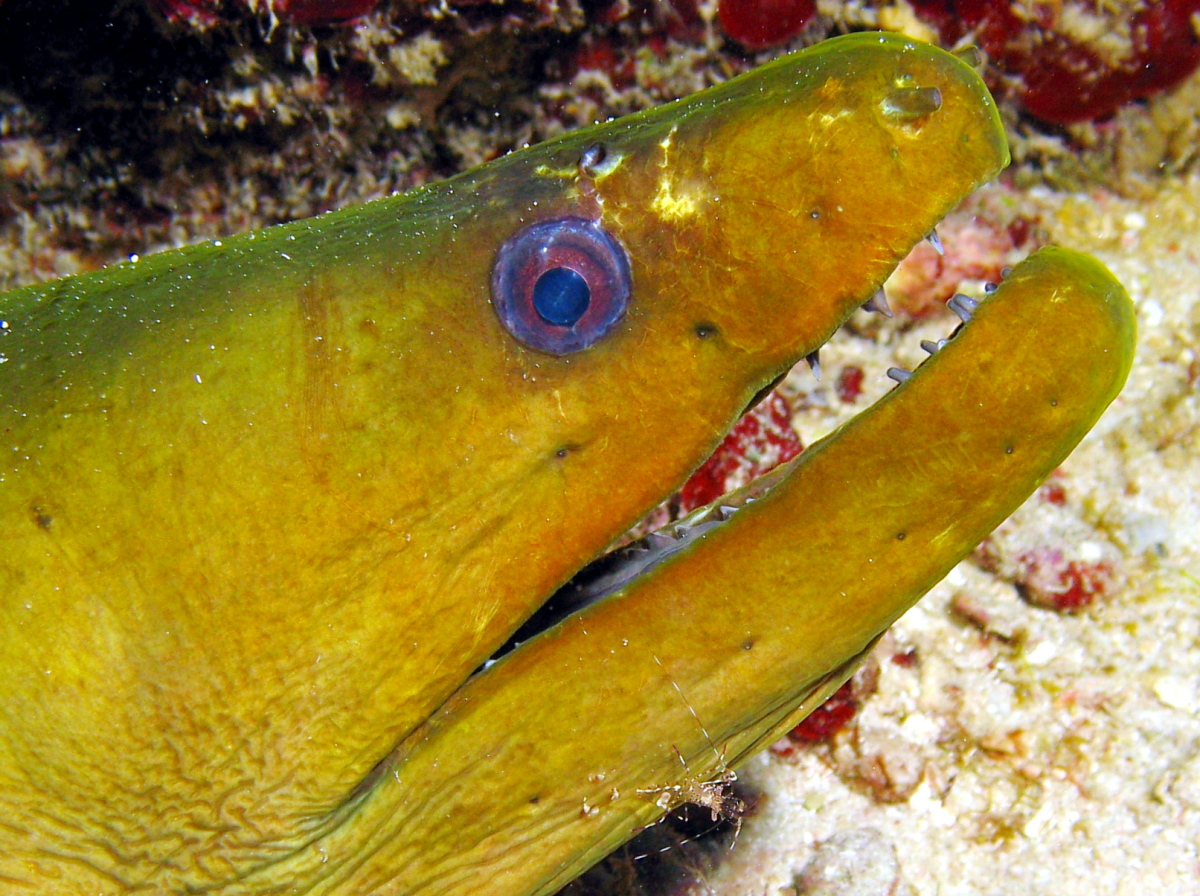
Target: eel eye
(560, 286)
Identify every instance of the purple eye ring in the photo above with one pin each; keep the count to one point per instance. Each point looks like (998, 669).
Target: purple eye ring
(561, 286)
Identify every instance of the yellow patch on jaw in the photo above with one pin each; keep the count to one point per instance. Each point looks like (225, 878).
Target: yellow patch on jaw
(674, 200)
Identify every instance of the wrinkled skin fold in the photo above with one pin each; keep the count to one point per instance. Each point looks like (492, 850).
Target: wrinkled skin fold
(268, 503)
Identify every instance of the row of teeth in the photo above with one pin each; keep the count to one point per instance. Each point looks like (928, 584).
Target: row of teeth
(630, 561)
(614, 570)
(964, 307)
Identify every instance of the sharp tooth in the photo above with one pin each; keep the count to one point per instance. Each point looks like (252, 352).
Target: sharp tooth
(990, 287)
(659, 539)
(932, 347)
(814, 362)
(970, 55)
(963, 306)
(878, 303)
(936, 242)
(899, 375)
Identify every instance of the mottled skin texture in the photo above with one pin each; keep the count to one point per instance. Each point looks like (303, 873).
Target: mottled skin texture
(267, 504)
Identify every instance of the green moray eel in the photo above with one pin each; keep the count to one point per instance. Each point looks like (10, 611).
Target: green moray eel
(269, 503)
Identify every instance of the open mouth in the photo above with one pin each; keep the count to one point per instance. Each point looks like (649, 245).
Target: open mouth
(678, 523)
(678, 656)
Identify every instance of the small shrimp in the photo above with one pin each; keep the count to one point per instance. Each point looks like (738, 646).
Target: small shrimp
(713, 794)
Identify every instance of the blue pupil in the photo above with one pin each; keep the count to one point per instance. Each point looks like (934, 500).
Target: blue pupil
(561, 296)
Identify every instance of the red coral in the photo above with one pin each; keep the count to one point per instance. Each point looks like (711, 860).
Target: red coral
(1053, 493)
(838, 710)
(759, 24)
(827, 719)
(1047, 579)
(849, 384)
(322, 12)
(683, 20)
(905, 659)
(762, 440)
(601, 55)
(1077, 60)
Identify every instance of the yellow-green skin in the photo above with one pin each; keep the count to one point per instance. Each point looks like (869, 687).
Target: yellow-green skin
(267, 504)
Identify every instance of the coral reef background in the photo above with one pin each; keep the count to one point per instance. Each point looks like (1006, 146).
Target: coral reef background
(1034, 724)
